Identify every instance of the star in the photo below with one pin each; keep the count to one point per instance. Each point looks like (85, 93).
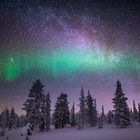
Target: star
(11, 59)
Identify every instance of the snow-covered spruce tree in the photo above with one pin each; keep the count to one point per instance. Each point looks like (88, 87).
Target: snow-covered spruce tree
(110, 117)
(95, 117)
(100, 121)
(78, 121)
(103, 115)
(33, 105)
(61, 116)
(122, 117)
(90, 111)
(135, 113)
(72, 116)
(47, 111)
(21, 121)
(131, 115)
(82, 112)
(5, 118)
(139, 112)
(13, 119)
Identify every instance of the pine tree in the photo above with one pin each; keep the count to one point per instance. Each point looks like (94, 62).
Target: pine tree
(13, 118)
(33, 105)
(131, 115)
(5, 118)
(103, 115)
(135, 113)
(61, 116)
(21, 121)
(78, 120)
(90, 110)
(122, 117)
(95, 117)
(42, 112)
(82, 111)
(72, 118)
(47, 111)
(110, 117)
(100, 122)
(139, 112)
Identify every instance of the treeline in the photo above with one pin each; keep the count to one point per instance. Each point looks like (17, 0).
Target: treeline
(10, 119)
(38, 111)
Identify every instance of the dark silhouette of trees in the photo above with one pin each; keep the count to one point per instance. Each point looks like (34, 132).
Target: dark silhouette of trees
(37, 106)
(73, 117)
(91, 111)
(61, 116)
(122, 117)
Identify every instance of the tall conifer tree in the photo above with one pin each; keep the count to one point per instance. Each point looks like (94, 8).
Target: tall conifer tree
(61, 116)
(135, 113)
(73, 119)
(90, 112)
(139, 112)
(122, 117)
(33, 105)
(48, 111)
(82, 112)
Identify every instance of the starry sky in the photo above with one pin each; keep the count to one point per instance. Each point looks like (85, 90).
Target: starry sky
(69, 44)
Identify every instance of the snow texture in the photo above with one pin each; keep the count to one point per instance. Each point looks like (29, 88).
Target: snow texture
(24, 131)
(107, 133)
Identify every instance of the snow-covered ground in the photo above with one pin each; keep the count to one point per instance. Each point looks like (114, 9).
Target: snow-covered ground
(107, 133)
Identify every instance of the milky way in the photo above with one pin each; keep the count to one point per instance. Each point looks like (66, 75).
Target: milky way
(69, 45)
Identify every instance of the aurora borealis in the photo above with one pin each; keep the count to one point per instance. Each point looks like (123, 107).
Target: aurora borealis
(68, 45)
(67, 61)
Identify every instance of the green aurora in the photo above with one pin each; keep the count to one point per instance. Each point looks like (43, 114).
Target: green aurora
(65, 62)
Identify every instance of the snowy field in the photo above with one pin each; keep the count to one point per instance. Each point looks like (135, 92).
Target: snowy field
(107, 133)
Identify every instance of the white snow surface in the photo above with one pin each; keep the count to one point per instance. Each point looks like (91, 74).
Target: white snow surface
(24, 130)
(107, 133)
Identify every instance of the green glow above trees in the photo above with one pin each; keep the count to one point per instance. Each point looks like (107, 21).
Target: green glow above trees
(64, 62)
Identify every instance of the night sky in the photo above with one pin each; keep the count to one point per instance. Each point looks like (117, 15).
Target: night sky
(68, 44)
